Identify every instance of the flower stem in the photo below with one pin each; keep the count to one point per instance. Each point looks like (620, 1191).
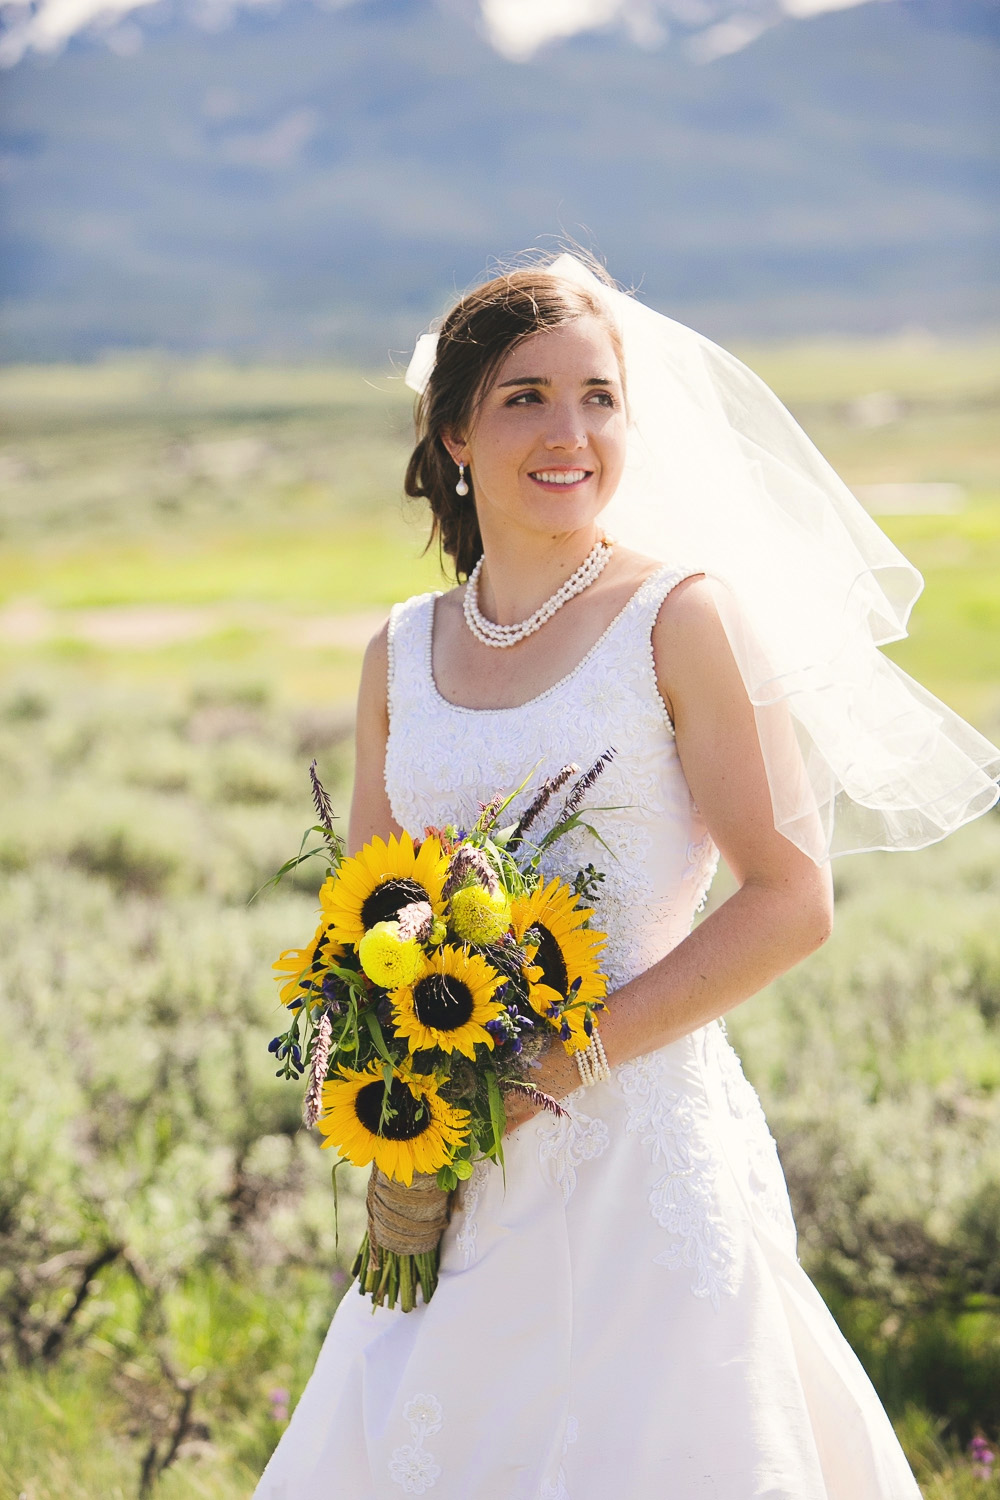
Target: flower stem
(387, 1276)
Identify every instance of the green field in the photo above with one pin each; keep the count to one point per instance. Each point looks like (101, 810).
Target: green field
(192, 557)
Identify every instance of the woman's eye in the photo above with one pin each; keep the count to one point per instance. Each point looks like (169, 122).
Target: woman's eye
(602, 398)
(523, 398)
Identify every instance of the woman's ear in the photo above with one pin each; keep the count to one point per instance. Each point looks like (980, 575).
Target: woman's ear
(458, 449)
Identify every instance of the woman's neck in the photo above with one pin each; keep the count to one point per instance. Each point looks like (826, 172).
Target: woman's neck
(521, 571)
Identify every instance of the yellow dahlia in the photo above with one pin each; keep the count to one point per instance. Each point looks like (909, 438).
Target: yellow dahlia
(419, 1134)
(565, 960)
(479, 916)
(450, 1003)
(377, 882)
(388, 959)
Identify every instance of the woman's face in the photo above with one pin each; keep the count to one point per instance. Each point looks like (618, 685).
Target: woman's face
(547, 446)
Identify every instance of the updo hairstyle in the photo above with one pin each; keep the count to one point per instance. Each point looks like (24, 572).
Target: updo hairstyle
(475, 339)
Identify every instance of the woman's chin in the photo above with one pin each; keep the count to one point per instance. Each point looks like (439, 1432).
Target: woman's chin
(548, 514)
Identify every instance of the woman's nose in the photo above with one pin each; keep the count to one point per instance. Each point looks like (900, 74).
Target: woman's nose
(566, 430)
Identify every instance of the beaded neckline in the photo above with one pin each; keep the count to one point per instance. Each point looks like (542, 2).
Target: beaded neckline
(461, 708)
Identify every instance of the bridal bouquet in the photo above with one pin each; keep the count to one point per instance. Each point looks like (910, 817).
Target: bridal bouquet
(438, 968)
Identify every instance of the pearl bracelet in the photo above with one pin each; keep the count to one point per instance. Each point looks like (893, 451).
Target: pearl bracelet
(593, 1063)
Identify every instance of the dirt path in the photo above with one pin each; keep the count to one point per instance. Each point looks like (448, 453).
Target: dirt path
(145, 627)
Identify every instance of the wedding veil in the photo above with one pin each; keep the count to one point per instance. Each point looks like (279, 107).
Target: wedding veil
(719, 476)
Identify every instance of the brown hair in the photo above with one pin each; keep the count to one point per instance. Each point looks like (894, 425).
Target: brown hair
(475, 338)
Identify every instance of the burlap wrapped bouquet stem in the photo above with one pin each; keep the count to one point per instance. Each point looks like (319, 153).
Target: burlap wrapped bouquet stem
(409, 1220)
(400, 1249)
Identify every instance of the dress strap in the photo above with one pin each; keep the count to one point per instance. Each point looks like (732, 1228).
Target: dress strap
(646, 601)
(642, 613)
(652, 593)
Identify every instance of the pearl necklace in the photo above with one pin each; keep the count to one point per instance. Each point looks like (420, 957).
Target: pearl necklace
(508, 635)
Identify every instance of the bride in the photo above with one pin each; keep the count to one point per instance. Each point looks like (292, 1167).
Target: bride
(658, 563)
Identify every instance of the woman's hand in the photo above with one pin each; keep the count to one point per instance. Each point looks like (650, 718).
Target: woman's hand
(556, 1075)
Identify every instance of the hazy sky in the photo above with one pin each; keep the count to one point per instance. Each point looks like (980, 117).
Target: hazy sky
(517, 28)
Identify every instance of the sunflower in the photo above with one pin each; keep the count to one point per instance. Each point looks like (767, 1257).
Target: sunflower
(379, 881)
(300, 971)
(420, 1133)
(564, 966)
(449, 1005)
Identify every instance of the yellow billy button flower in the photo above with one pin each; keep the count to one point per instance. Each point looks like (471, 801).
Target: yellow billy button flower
(450, 1003)
(479, 916)
(377, 882)
(388, 959)
(410, 1129)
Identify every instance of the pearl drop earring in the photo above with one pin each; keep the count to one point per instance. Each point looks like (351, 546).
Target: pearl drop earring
(461, 487)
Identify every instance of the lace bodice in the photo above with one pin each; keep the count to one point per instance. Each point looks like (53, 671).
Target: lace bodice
(443, 761)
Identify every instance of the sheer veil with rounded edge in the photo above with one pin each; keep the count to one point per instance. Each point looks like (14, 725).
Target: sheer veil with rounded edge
(808, 587)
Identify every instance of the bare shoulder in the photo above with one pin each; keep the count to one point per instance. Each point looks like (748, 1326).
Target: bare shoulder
(449, 603)
(688, 609)
(377, 651)
(373, 694)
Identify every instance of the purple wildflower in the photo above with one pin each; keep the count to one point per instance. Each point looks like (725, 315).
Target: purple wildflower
(982, 1457)
(548, 789)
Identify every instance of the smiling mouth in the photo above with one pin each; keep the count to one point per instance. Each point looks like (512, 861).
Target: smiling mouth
(561, 477)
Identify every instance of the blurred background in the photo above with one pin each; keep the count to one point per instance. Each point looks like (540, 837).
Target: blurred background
(223, 225)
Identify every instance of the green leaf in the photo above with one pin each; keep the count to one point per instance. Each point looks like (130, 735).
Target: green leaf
(576, 821)
(481, 826)
(462, 1170)
(351, 977)
(336, 1202)
(387, 1112)
(498, 1115)
(372, 1022)
(291, 864)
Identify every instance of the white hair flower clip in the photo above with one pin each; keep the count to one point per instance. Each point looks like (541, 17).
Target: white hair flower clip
(418, 371)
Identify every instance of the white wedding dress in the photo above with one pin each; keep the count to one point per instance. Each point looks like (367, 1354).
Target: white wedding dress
(626, 1316)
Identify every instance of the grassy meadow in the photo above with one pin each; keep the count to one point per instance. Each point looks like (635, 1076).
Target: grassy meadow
(192, 557)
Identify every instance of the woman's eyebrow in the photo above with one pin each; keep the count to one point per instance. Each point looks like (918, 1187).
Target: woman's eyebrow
(544, 380)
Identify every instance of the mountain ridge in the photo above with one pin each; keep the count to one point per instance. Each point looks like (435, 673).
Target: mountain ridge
(320, 183)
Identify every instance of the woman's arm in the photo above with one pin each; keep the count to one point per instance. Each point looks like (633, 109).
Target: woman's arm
(370, 810)
(783, 908)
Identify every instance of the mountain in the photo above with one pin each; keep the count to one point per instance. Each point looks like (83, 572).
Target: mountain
(317, 181)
